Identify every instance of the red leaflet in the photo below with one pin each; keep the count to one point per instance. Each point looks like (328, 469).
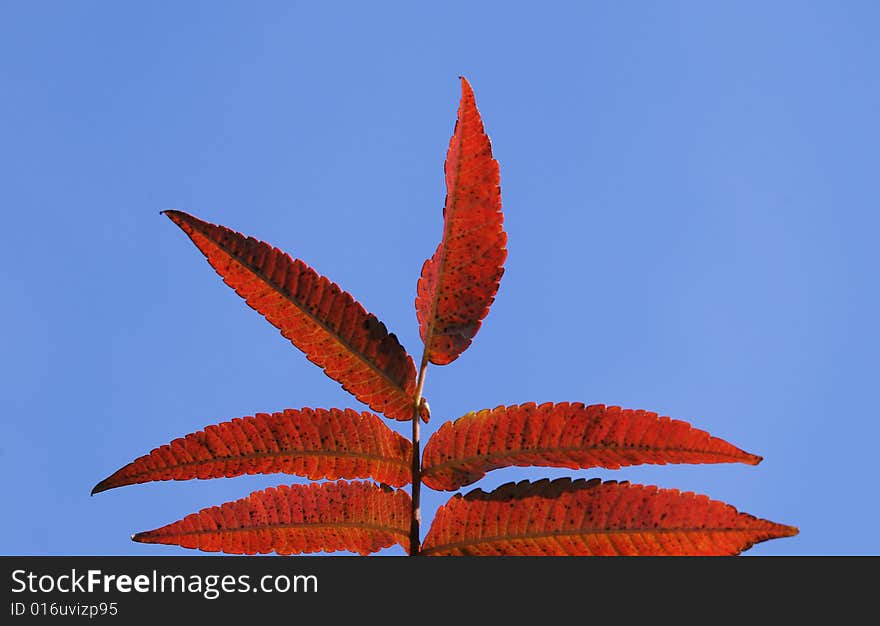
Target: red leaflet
(335, 332)
(591, 518)
(320, 517)
(316, 443)
(458, 283)
(565, 435)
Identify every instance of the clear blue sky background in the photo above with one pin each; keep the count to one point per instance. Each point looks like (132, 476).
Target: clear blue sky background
(690, 191)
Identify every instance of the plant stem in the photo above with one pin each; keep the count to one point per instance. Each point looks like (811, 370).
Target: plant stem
(416, 519)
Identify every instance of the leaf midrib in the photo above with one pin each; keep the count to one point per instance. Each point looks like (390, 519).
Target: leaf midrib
(258, 455)
(432, 469)
(298, 525)
(570, 533)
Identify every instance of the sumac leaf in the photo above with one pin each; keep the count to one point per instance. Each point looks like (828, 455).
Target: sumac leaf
(320, 517)
(564, 435)
(315, 443)
(458, 283)
(592, 518)
(327, 324)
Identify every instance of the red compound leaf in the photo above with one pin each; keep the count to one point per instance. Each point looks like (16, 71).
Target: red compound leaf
(316, 443)
(564, 435)
(591, 518)
(327, 324)
(458, 283)
(320, 517)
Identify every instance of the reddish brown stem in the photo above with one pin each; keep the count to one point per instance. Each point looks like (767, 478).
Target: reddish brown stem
(414, 542)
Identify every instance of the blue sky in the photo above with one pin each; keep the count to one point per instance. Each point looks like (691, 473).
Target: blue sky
(690, 194)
